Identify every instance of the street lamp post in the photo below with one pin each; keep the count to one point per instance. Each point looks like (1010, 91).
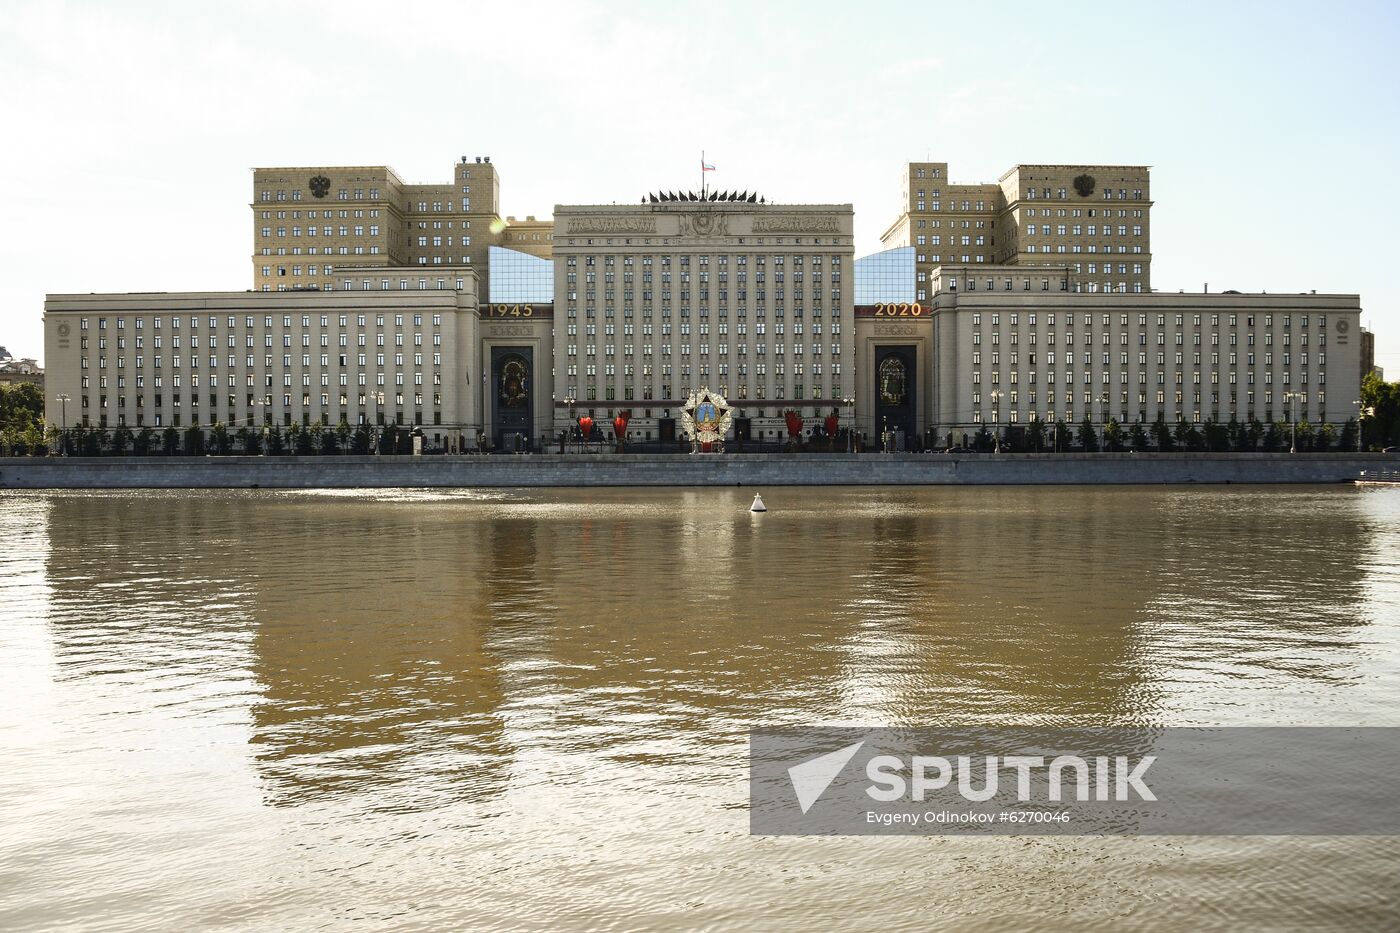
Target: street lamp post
(850, 404)
(1362, 411)
(1103, 403)
(1292, 399)
(262, 450)
(572, 402)
(63, 408)
(376, 399)
(996, 420)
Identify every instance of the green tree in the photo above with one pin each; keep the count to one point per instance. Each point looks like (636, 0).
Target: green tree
(94, 439)
(21, 405)
(1382, 425)
(1162, 435)
(194, 441)
(330, 441)
(1195, 439)
(1217, 435)
(143, 442)
(1235, 434)
(982, 440)
(219, 440)
(1347, 440)
(1305, 435)
(1137, 438)
(304, 442)
(1272, 436)
(276, 443)
(1088, 439)
(1035, 435)
(1113, 435)
(1179, 433)
(1325, 437)
(170, 442)
(361, 441)
(1255, 435)
(121, 440)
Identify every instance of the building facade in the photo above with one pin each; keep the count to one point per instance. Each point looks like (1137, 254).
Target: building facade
(378, 356)
(14, 370)
(1012, 344)
(1009, 354)
(1095, 219)
(309, 222)
(752, 300)
(377, 302)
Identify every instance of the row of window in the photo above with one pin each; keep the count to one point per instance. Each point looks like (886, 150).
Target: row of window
(343, 358)
(703, 329)
(321, 215)
(796, 392)
(216, 400)
(703, 369)
(723, 259)
(158, 419)
(1068, 357)
(1013, 378)
(248, 319)
(343, 194)
(1080, 229)
(1073, 248)
(722, 349)
(329, 230)
(1232, 320)
(252, 381)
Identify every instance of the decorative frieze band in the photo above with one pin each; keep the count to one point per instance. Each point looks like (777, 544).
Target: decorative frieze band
(796, 224)
(612, 225)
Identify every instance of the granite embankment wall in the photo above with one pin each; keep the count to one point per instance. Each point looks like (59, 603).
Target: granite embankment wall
(682, 470)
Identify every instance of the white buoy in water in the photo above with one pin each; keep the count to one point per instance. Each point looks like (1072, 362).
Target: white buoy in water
(758, 505)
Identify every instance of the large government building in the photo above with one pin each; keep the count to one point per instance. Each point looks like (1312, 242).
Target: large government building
(375, 301)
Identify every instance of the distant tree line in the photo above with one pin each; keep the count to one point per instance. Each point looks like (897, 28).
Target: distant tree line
(1160, 435)
(216, 440)
(21, 417)
(1381, 426)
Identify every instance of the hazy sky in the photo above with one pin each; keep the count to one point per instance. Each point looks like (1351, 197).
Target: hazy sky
(132, 128)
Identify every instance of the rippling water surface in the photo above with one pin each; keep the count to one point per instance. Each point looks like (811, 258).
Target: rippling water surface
(527, 709)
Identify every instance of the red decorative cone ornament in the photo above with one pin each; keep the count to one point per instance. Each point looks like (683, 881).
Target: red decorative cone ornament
(585, 425)
(620, 426)
(832, 422)
(794, 422)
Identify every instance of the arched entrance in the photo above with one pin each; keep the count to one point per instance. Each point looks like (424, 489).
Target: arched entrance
(895, 393)
(512, 413)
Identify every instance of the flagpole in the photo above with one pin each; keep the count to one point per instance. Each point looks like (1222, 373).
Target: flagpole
(702, 174)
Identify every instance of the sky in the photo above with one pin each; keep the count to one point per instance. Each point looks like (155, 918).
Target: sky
(132, 128)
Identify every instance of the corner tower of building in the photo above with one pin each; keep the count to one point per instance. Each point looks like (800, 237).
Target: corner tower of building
(1093, 219)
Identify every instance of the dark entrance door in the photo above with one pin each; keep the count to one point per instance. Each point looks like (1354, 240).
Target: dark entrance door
(666, 430)
(513, 381)
(743, 430)
(895, 392)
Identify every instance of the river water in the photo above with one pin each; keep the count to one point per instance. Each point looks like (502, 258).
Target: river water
(528, 709)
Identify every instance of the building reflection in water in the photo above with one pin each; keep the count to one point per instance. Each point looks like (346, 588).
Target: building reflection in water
(416, 649)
